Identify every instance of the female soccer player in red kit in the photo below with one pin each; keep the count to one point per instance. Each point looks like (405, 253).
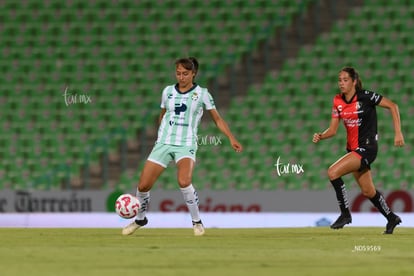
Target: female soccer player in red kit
(357, 108)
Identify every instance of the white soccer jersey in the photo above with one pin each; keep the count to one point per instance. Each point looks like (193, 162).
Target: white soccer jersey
(183, 114)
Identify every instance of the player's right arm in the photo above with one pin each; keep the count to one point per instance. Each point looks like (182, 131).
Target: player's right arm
(329, 132)
(164, 99)
(163, 110)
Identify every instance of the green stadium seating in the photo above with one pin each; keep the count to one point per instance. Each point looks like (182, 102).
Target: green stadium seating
(121, 53)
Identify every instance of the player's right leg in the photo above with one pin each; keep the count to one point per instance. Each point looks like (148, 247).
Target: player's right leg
(348, 163)
(133, 226)
(149, 175)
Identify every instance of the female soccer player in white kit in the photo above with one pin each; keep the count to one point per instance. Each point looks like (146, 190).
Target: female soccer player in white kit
(182, 107)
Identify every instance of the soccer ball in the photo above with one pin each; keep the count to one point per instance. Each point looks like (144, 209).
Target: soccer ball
(126, 206)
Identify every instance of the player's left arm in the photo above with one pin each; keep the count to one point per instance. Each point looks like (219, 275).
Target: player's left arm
(224, 128)
(395, 113)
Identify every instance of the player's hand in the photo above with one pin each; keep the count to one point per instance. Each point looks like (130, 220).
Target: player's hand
(399, 140)
(236, 146)
(316, 137)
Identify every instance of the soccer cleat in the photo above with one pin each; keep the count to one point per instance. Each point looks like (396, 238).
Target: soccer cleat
(392, 223)
(133, 226)
(341, 221)
(198, 228)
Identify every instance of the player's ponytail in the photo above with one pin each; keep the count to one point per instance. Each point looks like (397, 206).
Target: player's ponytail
(195, 64)
(358, 85)
(354, 76)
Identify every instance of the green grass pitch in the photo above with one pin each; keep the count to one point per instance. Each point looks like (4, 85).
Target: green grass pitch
(262, 251)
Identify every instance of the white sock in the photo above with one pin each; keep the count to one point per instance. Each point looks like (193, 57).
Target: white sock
(191, 199)
(144, 198)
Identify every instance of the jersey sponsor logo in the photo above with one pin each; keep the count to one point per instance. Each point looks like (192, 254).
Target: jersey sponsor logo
(171, 123)
(191, 151)
(352, 122)
(180, 108)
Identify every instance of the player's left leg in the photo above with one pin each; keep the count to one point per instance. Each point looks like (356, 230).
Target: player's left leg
(364, 180)
(185, 167)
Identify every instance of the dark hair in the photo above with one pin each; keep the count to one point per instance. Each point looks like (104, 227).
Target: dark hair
(354, 76)
(189, 63)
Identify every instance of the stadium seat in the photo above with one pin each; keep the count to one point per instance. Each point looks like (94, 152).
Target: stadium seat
(116, 53)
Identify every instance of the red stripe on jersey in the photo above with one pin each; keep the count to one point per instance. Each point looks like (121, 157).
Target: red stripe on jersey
(348, 113)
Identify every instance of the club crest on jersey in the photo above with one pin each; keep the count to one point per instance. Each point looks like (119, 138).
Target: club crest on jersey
(340, 108)
(194, 97)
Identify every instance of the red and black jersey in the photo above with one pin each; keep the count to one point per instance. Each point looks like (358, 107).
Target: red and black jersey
(359, 116)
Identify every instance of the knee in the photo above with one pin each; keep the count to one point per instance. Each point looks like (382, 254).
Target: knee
(332, 174)
(184, 181)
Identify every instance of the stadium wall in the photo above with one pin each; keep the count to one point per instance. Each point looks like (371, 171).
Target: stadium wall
(229, 201)
(220, 209)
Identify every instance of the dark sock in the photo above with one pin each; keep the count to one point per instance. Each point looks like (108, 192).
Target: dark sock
(379, 202)
(341, 195)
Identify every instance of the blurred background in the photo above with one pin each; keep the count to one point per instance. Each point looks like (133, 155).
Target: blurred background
(81, 85)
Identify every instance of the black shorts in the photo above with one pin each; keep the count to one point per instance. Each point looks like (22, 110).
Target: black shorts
(367, 156)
